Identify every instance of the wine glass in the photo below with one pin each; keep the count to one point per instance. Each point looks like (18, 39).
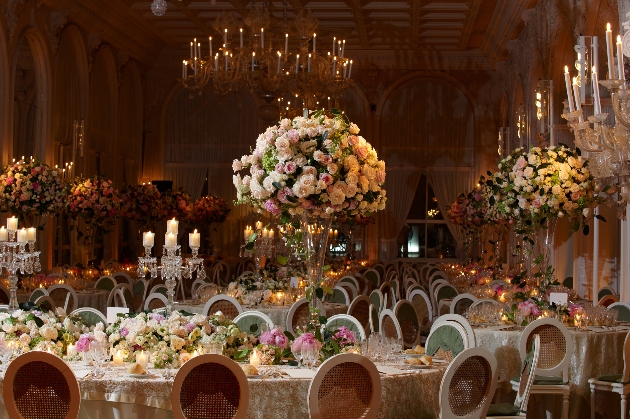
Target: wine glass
(297, 353)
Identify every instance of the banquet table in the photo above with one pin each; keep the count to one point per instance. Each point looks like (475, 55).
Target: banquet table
(413, 394)
(277, 314)
(87, 298)
(594, 353)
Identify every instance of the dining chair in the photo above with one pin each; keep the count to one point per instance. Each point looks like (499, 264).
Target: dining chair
(519, 408)
(623, 309)
(461, 303)
(447, 340)
(252, 321)
(360, 309)
(388, 295)
(468, 385)
(140, 288)
(106, 283)
(407, 317)
(346, 386)
(380, 270)
(210, 386)
(373, 276)
(339, 295)
(376, 297)
(90, 316)
(36, 294)
(351, 280)
(420, 301)
(374, 325)
(298, 316)
(39, 385)
(604, 291)
(220, 273)
(556, 350)
(462, 321)
(350, 289)
(155, 301)
(46, 300)
(223, 303)
(608, 300)
(64, 296)
(364, 287)
(395, 288)
(615, 383)
(409, 282)
(433, 293)
(5, 295)
(159, 289)
(388, 325)
(121, 296)
(444, 292)
(338, 320)
(413, 288)
(123, 278)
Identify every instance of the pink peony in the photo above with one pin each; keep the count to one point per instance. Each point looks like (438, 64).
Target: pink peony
(305, 341)
(83, 344)
(345, 336)
(274, 337)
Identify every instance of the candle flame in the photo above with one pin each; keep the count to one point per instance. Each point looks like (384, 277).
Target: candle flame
(566, 69)
(607, 27)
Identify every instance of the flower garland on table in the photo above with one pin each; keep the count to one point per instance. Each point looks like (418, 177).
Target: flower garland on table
(31, 189)
(317, 164)
(142, 204)
(247, 290)
(42, 330)
(171, 341)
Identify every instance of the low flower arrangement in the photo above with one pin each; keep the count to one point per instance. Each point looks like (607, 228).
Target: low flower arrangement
(247, 290)
(42, 330)
(31, 188)
(171, 341)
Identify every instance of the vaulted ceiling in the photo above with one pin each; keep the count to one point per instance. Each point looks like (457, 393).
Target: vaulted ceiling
(443, 28)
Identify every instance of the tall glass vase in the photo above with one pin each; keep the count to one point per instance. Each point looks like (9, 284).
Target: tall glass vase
(315, 232)
(542, 252)
(88, 241)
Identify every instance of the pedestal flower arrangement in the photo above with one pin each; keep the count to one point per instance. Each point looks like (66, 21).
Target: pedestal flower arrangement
(142, 204)
(206, 211)
(540, 186)
(31, 189)
(312, 169)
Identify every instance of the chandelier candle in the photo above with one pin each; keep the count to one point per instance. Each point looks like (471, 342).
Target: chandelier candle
(611, 54)
(191, 51)
(598, 107)
(4, 234)
(262, 38)
(225, 37)
(334, 42)
(309, 63)
(279, 58)
(297, 63)
(216, 62)
(343, 48)
(286, 44)
(12, 224)
(170, 240)
(22, 236)
(241, 35)
(622, 76)
(32, 234)
(172, 226)
(148, 239)
(314, 43)
(210, 45)
(576, 94)
(253, 56)
(350, 70)
(567, 81)
(194, 239)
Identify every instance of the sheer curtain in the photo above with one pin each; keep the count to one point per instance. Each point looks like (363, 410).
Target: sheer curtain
(447, 184)
(401, 184)
(189, 178)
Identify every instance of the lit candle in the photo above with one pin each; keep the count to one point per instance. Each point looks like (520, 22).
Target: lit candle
(343, 48)
(609, 50)
(12, 224)
(271, 233)
(118, 358)
(226, 60)
(253, 56)
(314, 43)
(170, 240)
(567, 81)
(195, 47)
(71, 350)
(279, 58)
(622, 76)
(598, 107)
(309, 63)
(576, 94)
(262, 38)
(142, 358)
(258, 225)
(194, 239)
(210, 44)
(297, 63)
(334, 42)
(254, 359)
(191, 51)
(4, 234)
(286, 44)
(265, 233)
(225, 36)
(350, 70)
(199, 49)
(32, 234)
(148, 239)
(334, 66)
(172, 226)
(22, 236)
(216, 62)
(184, 69)
(241, 35)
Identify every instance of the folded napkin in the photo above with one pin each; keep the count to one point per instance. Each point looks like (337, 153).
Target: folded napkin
(81, 372)
(300, 373)
(391, 370)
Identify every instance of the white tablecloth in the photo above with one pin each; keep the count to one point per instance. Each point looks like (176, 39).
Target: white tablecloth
(277, 314)
(119, 396)
(593, 354)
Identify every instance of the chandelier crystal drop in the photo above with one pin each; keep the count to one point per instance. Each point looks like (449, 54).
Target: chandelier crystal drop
(158, 7)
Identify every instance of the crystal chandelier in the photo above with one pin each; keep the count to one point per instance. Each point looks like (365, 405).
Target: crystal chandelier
(269, 71)
(607, 145)
(158, 7)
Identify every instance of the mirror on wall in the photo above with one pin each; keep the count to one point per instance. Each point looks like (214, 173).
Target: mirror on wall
(26, 109)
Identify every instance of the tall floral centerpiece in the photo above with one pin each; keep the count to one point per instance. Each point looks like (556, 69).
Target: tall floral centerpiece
(314, 168)
(96, 203)
(541, 185)
(142, 204)
(31, 189)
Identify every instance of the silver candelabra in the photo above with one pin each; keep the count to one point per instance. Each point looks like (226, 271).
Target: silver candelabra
(172, 268)
(18, 256)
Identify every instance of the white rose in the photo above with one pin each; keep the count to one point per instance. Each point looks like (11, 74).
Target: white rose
(337, 196)
(353, 129)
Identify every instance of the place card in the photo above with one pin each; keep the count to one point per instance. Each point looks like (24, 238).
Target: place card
(559, 298)
(391, 370)
(294, 282)
(300, 373)
(112, 312)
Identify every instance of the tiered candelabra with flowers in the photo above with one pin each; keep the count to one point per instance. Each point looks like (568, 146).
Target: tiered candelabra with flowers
(259, 245)
(17, 253)
(172, 266)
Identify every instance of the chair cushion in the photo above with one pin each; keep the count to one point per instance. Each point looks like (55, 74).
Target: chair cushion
(445, 338)
(612, 378)
(543, 381)
(503, 409)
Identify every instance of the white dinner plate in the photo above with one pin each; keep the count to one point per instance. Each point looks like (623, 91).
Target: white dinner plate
(414, 355)
(140, 375)
(417, 367)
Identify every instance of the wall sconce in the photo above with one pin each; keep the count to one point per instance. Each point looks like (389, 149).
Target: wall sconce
(523, 122)
(78, 140)
(544, 111)
(504, 135)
